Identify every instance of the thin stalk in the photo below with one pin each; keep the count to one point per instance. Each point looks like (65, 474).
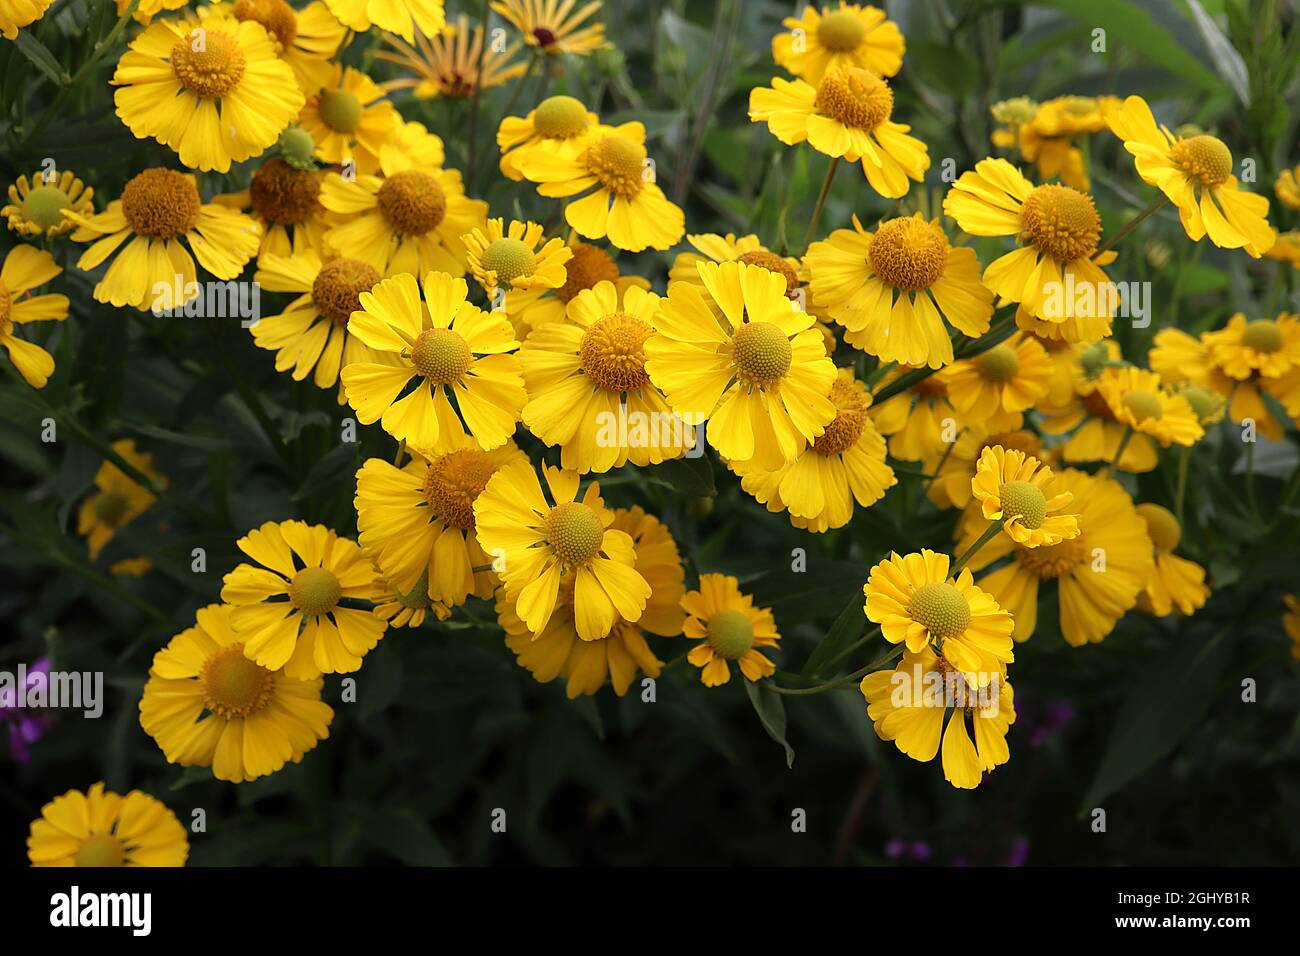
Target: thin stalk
(1132, 224)
(839, 681)
(989, 534)
(1180, 489)
(821, 202)
(1123, 445)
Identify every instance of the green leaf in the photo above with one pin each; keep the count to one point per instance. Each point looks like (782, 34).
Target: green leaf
(41, 57)
(406, 837)
(848, 627)
(1227, 60)
(771, 711)
(693, 477)
(192, 775)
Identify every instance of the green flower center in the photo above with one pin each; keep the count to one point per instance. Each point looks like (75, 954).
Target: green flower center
(841, 31)
(560, 117)
(1262, 335)
(1025, 501)
(940, 609)
(341, 110)
(730, 633)
(762, 353)
(233, 686)
(441, 356)
(110, 507)
(510, 259)
(1163, 527)
(315, 591)
(999, 364)
(1142, 406)
(44, 206)
(575, 532)
(101, 849)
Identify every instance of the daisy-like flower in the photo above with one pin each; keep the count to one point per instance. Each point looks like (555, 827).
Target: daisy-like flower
(306, 39)
(846, 115)
(554, 27)
(1291, 622)
(1013, 488)
(954, 464)
(35, 206)
(917, 603)
(538, 543)
(284, 201)
(1099, 574)
(843, 464)
(758, 372)
(1138, 399)
(451, 349)
(919, 420)
(159, 208)
(558, 651)
(1287, 187)
(732, 631)
(1195, 174)
(349, 120)
(417, 522)
(892, 289)
(412, 146)
(997, 386)
(819, 42)
(406, 18)
(589, 266)
(907, 705)
(750, 250)
(15, 14)
(103, 828)
(207, 705)
(25, 268)
(509, 257)
(146, 10)
(408, 608)
(117, 499)
(451, 62)
(1286, 249)
(288, 612)
(1267, 347)
(210, 87)
(1049, 134)
(619, 196)
(560, 123)
(589, 391)
(1176, 586)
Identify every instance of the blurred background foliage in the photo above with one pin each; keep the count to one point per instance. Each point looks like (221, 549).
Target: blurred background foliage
(1149, 725)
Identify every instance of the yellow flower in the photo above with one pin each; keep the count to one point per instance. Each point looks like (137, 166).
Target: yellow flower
(1049, 135)
(159, 208)
(450, 62)
(117, 500)
(1014, 488)
(1267, 347)
(1138, 399)
(412, 146)
(207, 705)
(1054, 275)
(750, 250)
(996, 387)
(1176, 585)
(449, 347)
(210, 87)
(146, 10)
(417, 522)
(102, 828)
(732, 630)
(847, 114)
(907, 705)
(619, 196)
(917, 603)
(349, 120)
(1291, 622)
(917, 419)
(509, 257)
(1286, 249)
(15, 14)
(284, 202)
(307, 631)
(554, 27)
(892, 289)
(306, 39)
(131, 567)
(954, 464)
(537, 544)
(558, 651)
(25, 268)
(758, 373)
(559, 124)
(1099, 574)
(35, 207)
(845, 463)
(817, 43)
(1287, 188)
(403, 17)
(589, 266)
(407, 608)
(1195, 174)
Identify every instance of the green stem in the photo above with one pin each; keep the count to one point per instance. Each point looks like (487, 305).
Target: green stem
(865, 638)
(471, 167)
(1123, 446)
(1250, 480)
(989, 534)
(1132, 224)
(520, 84)
(998, 333)
(821, 202)
(839, 681)
(401, 451)
(1180, 489)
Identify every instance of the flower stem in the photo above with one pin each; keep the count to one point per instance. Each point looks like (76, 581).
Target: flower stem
(839, 681)
(1132, 224)
(989, 534)
(1180, 489)
(1123, 446)
(1250, 480)
(821, 202)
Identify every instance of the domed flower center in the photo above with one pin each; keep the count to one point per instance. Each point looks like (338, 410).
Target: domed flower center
(336, 291)
(613, 353)
(160, 203)
(1262, 335)
(619, 164)
(44, 206)
(940, 609)
(510, 259)
(283, 194)
(762, 353)
(999, 364)
(101, 849)
(1014, 112)
(298, 148)
(1025, 501)
(233, 686)
(1094, 359)
(1060, 221)
(544, 36)
(454, 482)
(773, 263)
(441, 356)
(341, 110)
(730, 633)
(590, 265)
(841, 31)
(110, 507)
(560, 117)
(1142, 406)
(208, 63)
(412, 202)
(574, 531)
(855, 97)
(1162, 526)
(1204, 157)
(1026, 442)
(1053, 560)
(315, 591)
(275, 15)
(1204, 404)
(846, 427)
(909, 253)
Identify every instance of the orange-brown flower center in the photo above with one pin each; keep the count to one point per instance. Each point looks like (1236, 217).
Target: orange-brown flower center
(412, 202)
(337, 288)
(161, 203)
(208, 63)
(613, 353)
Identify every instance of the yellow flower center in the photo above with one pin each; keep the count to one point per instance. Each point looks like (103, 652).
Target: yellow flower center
(110, 507)
(846, 427)
(1053, 560)
(208, 63)
(1142, 406)
(999, 364)
(589, 266)
(233, 686)
(613, 353)
(160, 203)
(1204, 157)
(940, 609)
(510, 259)
(619, 164)
(315, 591)
(574, 531)
(336, 290)
(773, 263)
(340, 110)
(6, 307)
(44, 206)
(1162, 526)
(1025, 501)
(854, 97)
(441, 356)
(762, 353)
(1262, 335)
(1061, 222)
(275, 15)
(454, 482)
(730, 634)
(412, 202)
(841, 31)
(909, 253)
(101, 849)
(560, 117)
(1014, 112)
(285, 195)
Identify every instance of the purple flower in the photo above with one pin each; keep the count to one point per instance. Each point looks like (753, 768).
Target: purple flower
(22, 727)
(1018, 853)
(895, 848)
